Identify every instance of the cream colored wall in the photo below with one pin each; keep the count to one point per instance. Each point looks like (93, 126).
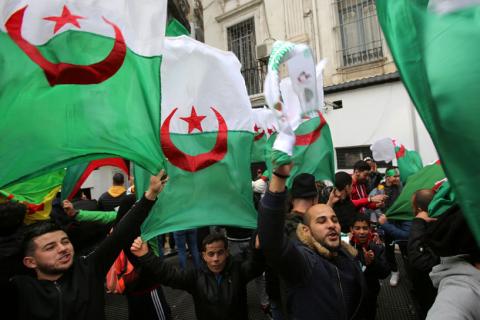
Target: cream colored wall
(303, 21)
(369, 113)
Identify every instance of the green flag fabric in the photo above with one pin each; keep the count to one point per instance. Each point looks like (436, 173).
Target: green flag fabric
(423, 179)
(79, 81)
(436, 49)
(175, 29)
(408, 161)
(206, 135)
(443, 200)
(36, 189)
(313, 151)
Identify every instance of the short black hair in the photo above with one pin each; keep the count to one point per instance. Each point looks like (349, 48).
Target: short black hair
(35, 230)
(118, 179)
(342, 179)
(361, 166)
(360, 218)
(214, 237)
(11, 217)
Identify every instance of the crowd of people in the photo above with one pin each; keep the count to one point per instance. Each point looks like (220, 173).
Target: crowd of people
(317, 253)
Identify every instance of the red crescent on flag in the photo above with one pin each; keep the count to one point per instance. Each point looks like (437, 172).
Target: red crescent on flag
(309, 138)
(66, 73)
(201, 161)
(259, 136)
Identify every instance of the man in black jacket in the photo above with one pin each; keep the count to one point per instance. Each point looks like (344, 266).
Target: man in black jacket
(66, 287)
(323, 278)
(218, 287)
(421, 258)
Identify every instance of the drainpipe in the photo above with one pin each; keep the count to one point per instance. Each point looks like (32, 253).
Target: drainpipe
(416, 145)
(316, 33)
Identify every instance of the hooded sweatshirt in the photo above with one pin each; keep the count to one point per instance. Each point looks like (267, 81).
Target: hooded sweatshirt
(458, 283)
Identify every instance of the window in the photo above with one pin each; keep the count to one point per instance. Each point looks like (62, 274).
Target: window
(346, 157)
(359, 31)
(241, 41)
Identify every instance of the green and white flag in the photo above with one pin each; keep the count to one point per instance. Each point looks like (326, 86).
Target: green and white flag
(409, 162)
(206, 137)
(436, 45)
(79, 80)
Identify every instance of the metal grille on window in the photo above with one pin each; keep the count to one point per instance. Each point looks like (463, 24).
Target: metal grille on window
(241, 41)
(359, 31)
(347, 156)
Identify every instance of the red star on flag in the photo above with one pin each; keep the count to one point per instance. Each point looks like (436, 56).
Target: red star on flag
(65, 18)
(270, 131)
(194, 121)
(256, 128)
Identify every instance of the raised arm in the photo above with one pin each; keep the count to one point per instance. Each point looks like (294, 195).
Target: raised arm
(279, 251)
(128, 228)
(163, 272)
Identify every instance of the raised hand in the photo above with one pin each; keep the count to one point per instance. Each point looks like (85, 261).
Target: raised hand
(369, 256)
(69, 209)
(157, 183)
(139, 248)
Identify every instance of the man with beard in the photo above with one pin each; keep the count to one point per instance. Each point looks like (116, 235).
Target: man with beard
(321, 274)
(65, 287)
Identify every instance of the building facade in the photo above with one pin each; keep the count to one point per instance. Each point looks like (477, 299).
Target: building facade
(365, 99)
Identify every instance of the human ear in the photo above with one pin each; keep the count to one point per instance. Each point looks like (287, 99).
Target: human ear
(30, 262)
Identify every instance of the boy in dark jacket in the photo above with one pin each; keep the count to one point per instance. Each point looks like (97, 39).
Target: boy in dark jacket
(219, 287)
(372, 259)
(66, 287)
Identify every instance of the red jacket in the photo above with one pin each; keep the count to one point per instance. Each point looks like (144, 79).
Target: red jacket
(359, 196)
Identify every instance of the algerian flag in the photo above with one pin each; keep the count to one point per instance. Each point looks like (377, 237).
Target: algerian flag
(425, 178)
(77, 174)
(79, 80)
(408, 161)
(436, 45)
(313, 150)
(264, 125)
(206, 135)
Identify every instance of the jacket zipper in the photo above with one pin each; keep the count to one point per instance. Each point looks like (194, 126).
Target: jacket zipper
(60, 305)
(341, 292)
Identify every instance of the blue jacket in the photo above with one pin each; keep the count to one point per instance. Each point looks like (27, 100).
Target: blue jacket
(320, 283)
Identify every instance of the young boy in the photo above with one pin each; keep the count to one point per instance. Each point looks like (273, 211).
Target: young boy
(372, 259)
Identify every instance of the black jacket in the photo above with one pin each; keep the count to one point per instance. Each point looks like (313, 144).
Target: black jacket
(215, 298)
(378, 269)
(420, 256)
(79, 293)
(320, 283)
(107, 202)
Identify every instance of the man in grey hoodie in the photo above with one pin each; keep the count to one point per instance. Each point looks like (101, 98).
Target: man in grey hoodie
(458, 282)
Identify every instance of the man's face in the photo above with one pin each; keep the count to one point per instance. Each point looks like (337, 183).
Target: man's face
(360, 231)
(362, 175)
(324, 226)
(53, 254)
(215, 256)
(372, 164)
(393, 180)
